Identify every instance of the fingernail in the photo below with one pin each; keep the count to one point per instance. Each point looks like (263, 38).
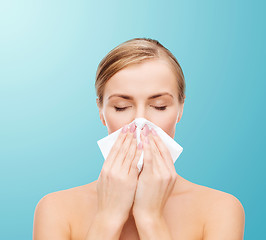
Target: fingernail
(132, 127)
(140, 146)
(154, 133)
(146, 130)
(124, 129)
(135, 134)
(146, 139)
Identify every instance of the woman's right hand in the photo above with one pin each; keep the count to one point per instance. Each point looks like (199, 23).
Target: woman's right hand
(117, 182)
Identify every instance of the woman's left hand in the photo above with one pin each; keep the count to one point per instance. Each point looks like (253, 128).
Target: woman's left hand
(157, 178)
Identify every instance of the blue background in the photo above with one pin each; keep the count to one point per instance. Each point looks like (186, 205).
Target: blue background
(49, 52)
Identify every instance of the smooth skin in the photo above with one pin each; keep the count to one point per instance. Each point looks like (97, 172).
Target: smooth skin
(155, 204)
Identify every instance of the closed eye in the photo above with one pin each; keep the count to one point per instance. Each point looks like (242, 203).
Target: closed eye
(120, 109)
(160, 108)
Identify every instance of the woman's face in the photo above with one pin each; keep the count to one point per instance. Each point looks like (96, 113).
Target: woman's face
(147, 90)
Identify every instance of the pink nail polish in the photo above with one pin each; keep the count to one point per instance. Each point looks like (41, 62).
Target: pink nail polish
(124, 129)
(146, 139)
(135, 134)
(154, 133)
(140, 146)
(146, 130)
(132, 127)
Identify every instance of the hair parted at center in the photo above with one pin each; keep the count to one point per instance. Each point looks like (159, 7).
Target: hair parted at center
(135, 51)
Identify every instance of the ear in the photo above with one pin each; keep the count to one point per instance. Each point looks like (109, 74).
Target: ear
(100, 112)
(181, 111)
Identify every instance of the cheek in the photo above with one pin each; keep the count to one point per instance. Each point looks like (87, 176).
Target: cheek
(167, 123)
(114, 121)
(168, 126)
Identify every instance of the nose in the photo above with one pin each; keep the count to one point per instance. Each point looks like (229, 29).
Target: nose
(140, 112)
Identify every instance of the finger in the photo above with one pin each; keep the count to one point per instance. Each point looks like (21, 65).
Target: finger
(147, 157)
(118, 160)
(163, 149)
(116, 147)
(166, 172)
(134, 164)
(159, 163)
(130, 154)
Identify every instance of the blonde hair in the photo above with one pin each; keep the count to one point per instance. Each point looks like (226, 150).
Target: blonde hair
(135, 51)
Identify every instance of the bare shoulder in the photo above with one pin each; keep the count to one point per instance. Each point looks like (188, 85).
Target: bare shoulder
(55, 211)
(71, 199)
(223, 213)
(215, 199)
(50, 220)
(63, 198)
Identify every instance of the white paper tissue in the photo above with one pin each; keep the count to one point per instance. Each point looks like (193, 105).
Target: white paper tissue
(174, 148)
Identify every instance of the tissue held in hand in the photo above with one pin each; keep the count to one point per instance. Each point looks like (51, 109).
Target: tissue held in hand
(174, 148)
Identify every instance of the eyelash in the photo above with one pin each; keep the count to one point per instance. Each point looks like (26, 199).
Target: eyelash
(162, 108)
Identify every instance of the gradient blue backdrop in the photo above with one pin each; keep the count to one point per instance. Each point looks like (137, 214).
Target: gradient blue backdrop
(49, 52)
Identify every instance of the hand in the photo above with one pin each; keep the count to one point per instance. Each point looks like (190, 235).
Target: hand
(117, 182)
(157, 178)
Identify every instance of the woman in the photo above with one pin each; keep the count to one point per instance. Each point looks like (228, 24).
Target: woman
(139, 78)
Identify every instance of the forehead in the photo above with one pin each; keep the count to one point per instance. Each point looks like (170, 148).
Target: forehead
(143, 79)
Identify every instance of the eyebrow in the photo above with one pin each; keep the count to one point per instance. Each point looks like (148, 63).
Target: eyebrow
(131, 98)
